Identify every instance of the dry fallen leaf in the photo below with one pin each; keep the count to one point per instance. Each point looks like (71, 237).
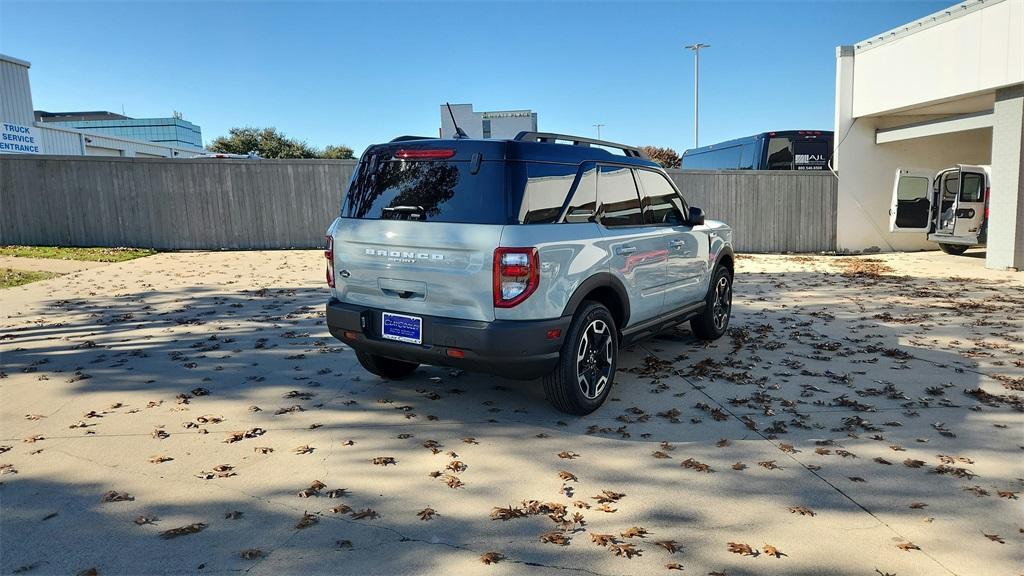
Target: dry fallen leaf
(159, 459)
(674, 566)
(341, 509)
(995, 538)
(141, 520)
(507, 513)
(384, 460)
(183, 530)
(427, 514)
(742, 549)
(627, 550)
(635, 532)
(695, 465)
(251, 554)
(908, 546)
(304, 449)
(306, 521)
(567, 476)
(491, 557)
(554, 537)
(917, 505)
(368, 513)
(114, 496)
(602, 539)
(802, 510)
(668, 545)
(607, 496)
(772, 551)
(566, 455)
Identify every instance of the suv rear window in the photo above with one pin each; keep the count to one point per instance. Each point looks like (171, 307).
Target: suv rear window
(386, 188)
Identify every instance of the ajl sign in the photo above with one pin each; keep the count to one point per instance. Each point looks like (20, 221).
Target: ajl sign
(18, 139)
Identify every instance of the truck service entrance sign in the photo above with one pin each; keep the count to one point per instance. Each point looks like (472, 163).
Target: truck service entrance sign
(18, 139)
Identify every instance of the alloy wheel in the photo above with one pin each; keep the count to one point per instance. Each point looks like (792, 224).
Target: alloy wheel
(594, 359)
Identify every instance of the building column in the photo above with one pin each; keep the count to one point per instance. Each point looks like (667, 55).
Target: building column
(1005, 245)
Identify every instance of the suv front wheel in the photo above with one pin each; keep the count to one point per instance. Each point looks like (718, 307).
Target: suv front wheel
(586, 367)
(713, 321)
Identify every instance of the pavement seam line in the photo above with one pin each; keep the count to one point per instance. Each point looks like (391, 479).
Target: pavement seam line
(802, 465)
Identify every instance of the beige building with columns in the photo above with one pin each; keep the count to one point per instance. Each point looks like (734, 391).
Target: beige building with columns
(943, 90)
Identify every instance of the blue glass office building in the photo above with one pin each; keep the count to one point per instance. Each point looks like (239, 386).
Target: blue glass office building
(170, 131)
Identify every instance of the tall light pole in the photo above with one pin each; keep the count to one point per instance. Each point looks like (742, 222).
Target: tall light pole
(598, 126)
(696, 90)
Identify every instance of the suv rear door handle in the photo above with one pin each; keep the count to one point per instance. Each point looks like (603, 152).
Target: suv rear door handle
(625, 249)
(677, 243)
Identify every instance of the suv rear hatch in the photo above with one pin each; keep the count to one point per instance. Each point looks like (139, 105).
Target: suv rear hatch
(419, 226)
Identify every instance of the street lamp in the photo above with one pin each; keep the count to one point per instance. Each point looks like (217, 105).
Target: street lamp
(598, 126)
(696, 89)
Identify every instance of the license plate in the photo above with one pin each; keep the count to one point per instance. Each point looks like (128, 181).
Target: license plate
(402, 328)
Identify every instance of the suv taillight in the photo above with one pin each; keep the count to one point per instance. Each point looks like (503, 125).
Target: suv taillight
(516, 275)
(329, 255)
(986, 202)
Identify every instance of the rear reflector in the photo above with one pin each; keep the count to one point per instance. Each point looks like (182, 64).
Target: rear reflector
(425, 154)
(329, 255)
(456, 353)
(553, 334)
(350, 335)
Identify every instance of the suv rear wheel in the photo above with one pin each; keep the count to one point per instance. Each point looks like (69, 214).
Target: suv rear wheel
(586, 367)
(954, 249)
(386, 367)
(713, 321)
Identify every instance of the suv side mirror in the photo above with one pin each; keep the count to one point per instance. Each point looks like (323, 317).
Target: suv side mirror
(696, 217)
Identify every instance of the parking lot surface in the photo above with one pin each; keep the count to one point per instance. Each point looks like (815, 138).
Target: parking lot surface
(189, 413)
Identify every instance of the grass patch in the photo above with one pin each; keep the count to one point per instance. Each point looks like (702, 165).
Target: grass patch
(87, 254)
(10, 277)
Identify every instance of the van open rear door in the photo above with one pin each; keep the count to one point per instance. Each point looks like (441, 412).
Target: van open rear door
(911, 206)
(970, 206)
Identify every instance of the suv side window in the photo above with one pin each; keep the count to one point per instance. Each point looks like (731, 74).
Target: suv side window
(661, 203)
(583, 203)
(546, 188)
(617, 197)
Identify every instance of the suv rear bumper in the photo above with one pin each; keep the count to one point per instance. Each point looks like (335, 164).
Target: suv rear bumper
(518, 349)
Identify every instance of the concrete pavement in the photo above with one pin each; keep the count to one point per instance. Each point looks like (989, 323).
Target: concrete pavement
(833, 421)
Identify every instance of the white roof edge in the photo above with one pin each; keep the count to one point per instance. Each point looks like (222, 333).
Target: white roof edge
(13, 60)
(955, 11)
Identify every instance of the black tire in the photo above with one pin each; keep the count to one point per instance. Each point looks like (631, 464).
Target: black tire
(954, 249)
(593, 331)
(386, 367)
(713, 321)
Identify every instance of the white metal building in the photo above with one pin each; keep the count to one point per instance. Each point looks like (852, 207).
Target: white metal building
(944, 90)
(499, 124)
(21, 134)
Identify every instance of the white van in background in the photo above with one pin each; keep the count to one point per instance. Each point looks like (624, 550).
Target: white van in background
(951, 207)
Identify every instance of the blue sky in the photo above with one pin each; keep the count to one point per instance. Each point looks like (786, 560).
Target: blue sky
(359, 73)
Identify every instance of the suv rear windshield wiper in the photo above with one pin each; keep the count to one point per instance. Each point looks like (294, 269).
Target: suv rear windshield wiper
(404, 213)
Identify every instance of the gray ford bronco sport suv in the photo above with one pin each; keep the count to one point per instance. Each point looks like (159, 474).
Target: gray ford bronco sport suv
(536, 257)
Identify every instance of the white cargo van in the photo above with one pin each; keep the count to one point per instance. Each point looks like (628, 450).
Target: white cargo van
(951, 207)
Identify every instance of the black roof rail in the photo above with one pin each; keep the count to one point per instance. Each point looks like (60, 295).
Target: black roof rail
(406, 138)
(550, 137)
